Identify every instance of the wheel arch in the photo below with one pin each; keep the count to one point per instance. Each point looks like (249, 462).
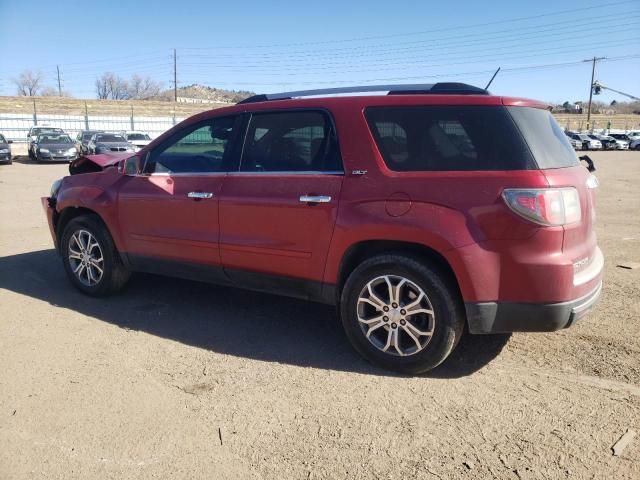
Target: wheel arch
(365, 249)
(62, 219)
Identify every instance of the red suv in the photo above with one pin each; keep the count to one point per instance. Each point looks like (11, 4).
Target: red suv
(419, 213)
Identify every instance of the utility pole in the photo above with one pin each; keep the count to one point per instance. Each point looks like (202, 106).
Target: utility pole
(175, 77)
(59, 85)
(593, 72)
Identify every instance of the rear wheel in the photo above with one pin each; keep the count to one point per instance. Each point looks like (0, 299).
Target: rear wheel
(401, 314)
(90, 257)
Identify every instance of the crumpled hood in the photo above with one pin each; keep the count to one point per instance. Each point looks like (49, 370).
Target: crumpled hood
(96, 163)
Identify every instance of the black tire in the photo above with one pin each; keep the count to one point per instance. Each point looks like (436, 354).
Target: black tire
(448, 320)
(115, 274)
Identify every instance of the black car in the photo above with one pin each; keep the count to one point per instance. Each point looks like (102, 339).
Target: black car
(83, 138)
(33, 135)
(5, 150)
(54, 147)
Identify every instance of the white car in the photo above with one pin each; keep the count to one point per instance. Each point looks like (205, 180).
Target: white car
(137, 139)
(576, 144)
(587, 143)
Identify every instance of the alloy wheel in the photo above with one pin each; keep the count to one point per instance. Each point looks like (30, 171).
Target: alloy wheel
(395, 315)
(85, 257)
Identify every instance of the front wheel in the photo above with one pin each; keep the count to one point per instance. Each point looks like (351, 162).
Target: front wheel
(401, 314)
(90, 258)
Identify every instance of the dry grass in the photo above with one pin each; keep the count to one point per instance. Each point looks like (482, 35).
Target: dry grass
(75, 106)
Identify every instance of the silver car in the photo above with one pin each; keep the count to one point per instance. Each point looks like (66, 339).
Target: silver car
(108, 143)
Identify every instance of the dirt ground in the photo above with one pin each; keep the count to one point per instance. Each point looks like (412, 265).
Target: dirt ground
(174, 379)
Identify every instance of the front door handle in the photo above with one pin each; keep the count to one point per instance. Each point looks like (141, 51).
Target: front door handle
(199, 195)
(315, 198)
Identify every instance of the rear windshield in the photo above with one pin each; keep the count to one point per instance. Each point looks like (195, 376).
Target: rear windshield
(545, 138)
(452, 138)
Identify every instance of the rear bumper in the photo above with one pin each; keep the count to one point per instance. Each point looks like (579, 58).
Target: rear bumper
(504, 317)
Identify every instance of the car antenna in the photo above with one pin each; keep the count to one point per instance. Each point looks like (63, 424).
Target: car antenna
(491, 81)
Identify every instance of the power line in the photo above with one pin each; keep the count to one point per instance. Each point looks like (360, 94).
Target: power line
(459, 60)
(405, 34)
(577, 25)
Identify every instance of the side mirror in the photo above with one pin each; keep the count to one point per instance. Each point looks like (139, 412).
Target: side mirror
(133, 166)
(9, 141)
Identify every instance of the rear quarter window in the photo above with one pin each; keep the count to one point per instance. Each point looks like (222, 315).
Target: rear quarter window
(545, 138)
(448, 138)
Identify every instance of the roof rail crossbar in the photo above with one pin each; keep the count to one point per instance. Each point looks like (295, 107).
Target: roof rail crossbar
(446, 88)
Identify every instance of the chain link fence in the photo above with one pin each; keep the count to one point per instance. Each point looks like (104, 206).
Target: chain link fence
(15, 126)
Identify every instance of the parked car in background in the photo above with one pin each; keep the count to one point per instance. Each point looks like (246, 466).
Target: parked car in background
(108, 143)
(610, 143)
(635, 144)
(137, 139)
(622, 136)
(587, 142)
(421, 214)
(54, 147)
(33, 135)
(82, 140)
(576, 144)
(5, 150)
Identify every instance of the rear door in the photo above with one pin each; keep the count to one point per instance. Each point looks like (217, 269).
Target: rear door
(278, 212)
(170, 213)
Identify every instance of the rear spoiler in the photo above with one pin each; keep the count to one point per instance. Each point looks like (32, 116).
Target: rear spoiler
(590, 165)
(95, 163)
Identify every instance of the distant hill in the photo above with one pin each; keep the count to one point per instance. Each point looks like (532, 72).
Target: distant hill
(195, 92)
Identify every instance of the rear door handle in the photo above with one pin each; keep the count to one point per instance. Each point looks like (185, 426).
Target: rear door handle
(315, 198)
(199, 195)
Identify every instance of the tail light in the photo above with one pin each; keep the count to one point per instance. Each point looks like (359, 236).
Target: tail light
(545, 206)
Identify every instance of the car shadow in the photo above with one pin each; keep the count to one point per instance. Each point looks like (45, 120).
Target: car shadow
(224, 320)
(24, 159)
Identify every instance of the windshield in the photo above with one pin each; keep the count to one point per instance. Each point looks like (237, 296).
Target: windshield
(138, 136)
(2, 139)
(547, 141)
(110, 138)
(53, 138)
(87, 136)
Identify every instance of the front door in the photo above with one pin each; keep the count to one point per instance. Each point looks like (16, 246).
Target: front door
(278, 212)
(169, 214)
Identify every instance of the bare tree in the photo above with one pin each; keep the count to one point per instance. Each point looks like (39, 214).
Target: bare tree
(52, 92)
(143, 88)
(28, 83)
(109, 85)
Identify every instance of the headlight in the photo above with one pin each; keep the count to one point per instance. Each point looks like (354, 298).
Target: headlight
(55, 187)
(4, 150)
(43, 150)
(72, 151)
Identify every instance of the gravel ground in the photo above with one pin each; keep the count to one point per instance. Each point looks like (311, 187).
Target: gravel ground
(185, 380)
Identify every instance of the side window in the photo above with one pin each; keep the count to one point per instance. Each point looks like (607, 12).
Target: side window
(202, 148)
(448, 138)
(300, 141)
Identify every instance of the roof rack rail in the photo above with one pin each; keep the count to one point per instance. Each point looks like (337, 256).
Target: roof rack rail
(443, 88)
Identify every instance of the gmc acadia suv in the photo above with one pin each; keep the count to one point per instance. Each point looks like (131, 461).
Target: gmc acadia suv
(421, 213)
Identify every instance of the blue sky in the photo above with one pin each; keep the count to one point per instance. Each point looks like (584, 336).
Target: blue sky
(277, 45)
